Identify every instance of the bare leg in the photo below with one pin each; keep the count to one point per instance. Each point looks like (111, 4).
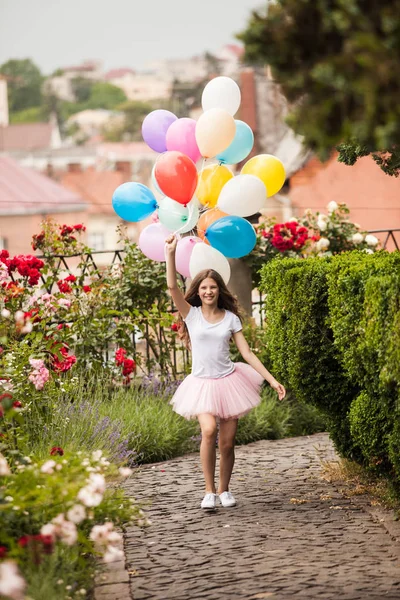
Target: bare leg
(208, 424)
(227, 433)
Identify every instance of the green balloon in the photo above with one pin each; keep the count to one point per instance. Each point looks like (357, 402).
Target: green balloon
(176, 217)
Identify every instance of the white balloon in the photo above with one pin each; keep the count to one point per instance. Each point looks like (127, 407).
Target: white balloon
(206, 257)
(242, 195)
(221, 92)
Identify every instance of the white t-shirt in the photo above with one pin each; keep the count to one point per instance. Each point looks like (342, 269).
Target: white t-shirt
(210, 343)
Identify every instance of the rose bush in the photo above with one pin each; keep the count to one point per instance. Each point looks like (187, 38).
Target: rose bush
(313, 234)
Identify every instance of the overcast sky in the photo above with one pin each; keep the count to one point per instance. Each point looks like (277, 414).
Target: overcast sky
(122, 33)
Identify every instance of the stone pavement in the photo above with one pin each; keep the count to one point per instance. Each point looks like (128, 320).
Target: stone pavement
(292, 533)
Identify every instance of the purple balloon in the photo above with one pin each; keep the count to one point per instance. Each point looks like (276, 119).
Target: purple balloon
(155, 127)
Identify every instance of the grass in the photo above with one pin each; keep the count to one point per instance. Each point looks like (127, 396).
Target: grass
(157, 432)
(273, 419)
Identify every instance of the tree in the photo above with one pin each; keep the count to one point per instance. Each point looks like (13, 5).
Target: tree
(134, 113)
(28, 115)
(213, 64)
(105, 95)
(338, 62)
(81, 88)
(24, 81)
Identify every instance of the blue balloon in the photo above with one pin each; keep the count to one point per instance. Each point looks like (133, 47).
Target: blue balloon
(232, 235)
(240, 147)
(133, 201)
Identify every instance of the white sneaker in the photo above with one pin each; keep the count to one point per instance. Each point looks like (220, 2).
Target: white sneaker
(227, 500)
(209, 501)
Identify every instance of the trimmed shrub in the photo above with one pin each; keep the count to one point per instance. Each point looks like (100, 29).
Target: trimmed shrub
(363, 304)
(300, 342)
(370, 426)
(333, 334)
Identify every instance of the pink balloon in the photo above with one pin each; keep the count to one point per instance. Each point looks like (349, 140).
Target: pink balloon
(184, 249)
(152, 241)
(181, 136)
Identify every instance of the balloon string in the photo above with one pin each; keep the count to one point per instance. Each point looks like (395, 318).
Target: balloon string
(191, 206)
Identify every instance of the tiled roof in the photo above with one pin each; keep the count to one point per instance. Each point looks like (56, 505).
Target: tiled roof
(125, 150)
(372, 196)
(115, 73)
(27, 136)
(96, 187)
(24, 191)
(87, 65)
(235, 49)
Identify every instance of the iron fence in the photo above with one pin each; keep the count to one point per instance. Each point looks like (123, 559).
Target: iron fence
(391, 237)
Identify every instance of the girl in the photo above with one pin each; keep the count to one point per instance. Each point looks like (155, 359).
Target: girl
(217, 389)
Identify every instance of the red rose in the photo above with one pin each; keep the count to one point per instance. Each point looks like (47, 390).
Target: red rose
(120, 356)
(32, 315)
(65, 288)
(37, 240)
(174, 327)
(17, 404)
(66, 364)
(56, 450)
(34, 276)
(129, 366)
(86, 289)
(3, 552)
(4, 254)
(23, 268)
(79, 227)
(65, 230)
(23, 541)
(35, 263)
(70, 278)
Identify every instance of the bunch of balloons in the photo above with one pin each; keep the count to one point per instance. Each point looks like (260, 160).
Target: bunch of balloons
(210, 199)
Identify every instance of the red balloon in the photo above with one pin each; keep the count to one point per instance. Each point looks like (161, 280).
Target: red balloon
(176, 175)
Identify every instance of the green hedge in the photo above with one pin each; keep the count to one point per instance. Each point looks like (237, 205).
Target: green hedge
(334, 340)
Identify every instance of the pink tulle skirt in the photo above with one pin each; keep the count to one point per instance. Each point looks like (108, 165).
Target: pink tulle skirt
(228, 397)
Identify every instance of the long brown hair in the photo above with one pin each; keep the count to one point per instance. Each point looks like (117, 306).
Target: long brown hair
(226, 300)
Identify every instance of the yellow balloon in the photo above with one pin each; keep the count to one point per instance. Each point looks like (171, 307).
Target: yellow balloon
(269, 169)
(211, 181)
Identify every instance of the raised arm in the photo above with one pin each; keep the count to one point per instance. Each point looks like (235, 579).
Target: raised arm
(177, 296)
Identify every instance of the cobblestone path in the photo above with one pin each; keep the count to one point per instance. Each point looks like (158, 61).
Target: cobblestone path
(292, 533)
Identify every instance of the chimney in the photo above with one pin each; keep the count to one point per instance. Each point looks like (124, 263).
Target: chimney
(74, 168)
(3, 102)
(124, 167)
(248, 107)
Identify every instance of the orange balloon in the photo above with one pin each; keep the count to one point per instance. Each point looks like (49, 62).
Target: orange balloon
(208, 217)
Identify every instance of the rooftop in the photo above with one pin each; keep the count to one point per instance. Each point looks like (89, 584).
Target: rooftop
(24, 191)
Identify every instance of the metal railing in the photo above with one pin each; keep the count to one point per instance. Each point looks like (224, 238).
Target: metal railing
(390, 235)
